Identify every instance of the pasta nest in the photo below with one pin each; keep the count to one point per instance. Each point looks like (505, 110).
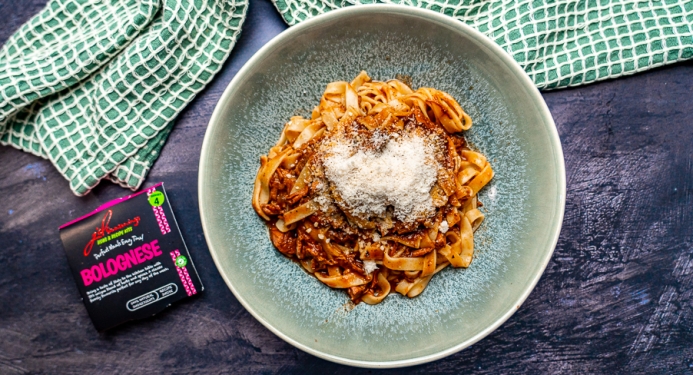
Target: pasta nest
(368, 248)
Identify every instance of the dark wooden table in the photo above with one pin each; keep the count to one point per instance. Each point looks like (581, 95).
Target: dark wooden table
(617, 297)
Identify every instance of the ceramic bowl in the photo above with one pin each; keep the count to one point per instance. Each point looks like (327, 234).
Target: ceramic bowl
(523, 204)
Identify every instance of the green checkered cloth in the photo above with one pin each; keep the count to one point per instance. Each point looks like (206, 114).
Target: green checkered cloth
(559, 43)
(95, 85)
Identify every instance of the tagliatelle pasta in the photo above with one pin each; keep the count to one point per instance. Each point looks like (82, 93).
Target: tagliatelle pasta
(377, 191)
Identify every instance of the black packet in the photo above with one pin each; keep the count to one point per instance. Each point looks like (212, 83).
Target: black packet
(129, 259)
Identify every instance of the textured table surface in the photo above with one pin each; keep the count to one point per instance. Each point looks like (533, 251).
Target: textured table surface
(617, 296)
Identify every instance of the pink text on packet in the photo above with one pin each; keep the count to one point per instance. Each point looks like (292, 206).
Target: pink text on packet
(121, 262)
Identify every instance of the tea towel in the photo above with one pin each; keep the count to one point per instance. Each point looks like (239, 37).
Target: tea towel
(559, 43)
(95, 85)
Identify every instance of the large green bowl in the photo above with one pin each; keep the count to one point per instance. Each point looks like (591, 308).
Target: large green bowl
(523, 204)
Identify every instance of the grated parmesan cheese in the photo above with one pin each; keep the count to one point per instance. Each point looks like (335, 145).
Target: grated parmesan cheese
(376, 236)
(443, 228)
(400, 175)
(323, 202)
(369, 266)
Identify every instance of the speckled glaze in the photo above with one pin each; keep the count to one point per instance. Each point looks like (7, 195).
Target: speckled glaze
(523, 204)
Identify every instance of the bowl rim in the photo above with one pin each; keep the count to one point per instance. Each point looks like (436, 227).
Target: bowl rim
(465, 29)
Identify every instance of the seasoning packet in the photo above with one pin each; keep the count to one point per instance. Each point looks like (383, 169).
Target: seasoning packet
(129, 259)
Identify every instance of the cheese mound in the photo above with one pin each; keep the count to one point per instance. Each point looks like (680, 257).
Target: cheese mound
(399, 175)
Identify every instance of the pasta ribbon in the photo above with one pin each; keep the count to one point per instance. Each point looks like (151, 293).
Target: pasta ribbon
(341, 281)
(311, 131)
(443, 108)
(481, 179)
(299, 213)
(429, 264)
(475, 158)
(421, 283)
(261, 188)
(404, 286)
(475, 217)
(301, 180)
(459, 253)
(403, 264)
(416, 241)
(384, 289)
(295, 127)
(283, 227)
